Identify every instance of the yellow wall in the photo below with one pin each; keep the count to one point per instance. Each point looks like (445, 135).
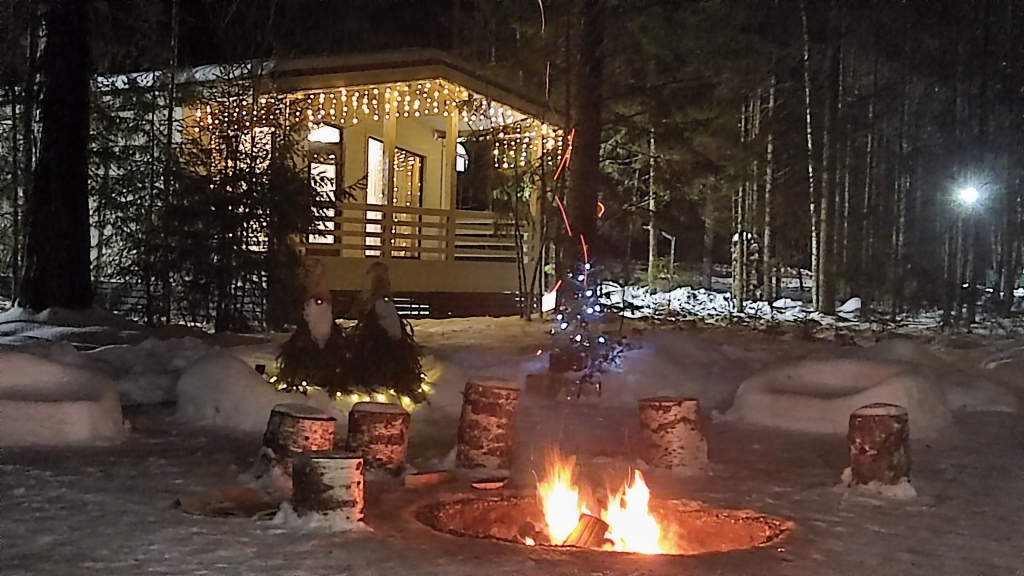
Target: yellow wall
(415, 135)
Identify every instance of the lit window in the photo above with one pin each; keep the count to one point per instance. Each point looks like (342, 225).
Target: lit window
(461, 158)
(325, 135)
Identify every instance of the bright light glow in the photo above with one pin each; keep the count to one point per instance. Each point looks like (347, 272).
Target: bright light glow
(325, 134)
(548, 302)
(969, 195)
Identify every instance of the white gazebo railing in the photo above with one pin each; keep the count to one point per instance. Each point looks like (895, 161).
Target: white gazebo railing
(382, 231)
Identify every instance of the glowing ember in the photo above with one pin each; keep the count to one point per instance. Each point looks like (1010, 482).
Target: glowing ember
(631, 526)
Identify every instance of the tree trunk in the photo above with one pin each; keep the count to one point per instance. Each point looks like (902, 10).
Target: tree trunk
(767, 268)
(585, 178)
(811, 188)
(57, 270)
(673, 433)
(652, 228)
(709, 238)
(879, 442)
(379, 433)
(487, 425)
(330, 485)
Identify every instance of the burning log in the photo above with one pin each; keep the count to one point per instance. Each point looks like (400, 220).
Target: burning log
(673, 433)
(486, 427)
(879, 437)
(379, 433)
(291, 429)
(330, 484)
(589, 533)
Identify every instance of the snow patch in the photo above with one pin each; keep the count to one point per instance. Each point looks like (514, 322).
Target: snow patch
(45, 403)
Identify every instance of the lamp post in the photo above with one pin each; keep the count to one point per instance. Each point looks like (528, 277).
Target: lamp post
(966, 273)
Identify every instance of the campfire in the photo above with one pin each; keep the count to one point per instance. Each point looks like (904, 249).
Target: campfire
(563, 511)
(623, 524)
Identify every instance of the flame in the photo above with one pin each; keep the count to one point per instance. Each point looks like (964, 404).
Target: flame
(529, 541)
(560, 497)
(632, 528)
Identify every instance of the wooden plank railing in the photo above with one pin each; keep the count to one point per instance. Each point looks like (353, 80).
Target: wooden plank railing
(372, 231)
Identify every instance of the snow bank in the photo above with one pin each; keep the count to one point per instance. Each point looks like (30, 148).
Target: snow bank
(221, 390)
(92, 327)
(44, 403)
(675, 364)
(819, 395)
(964, 390)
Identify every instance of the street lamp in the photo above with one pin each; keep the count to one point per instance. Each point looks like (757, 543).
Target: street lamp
(969, 195)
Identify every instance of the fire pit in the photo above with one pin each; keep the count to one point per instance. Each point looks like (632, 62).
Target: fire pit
(561, 514)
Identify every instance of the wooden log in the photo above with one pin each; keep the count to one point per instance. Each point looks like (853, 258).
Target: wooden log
(673, 433)
(421, 479)
(879, 440)
(330, 484)
(487, 425)
(589, 532)
(379, 433)
(291, 429)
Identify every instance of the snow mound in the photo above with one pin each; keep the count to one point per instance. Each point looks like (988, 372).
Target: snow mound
(45, 403)
(964, 390)
(223, 391)
(819, 395)
(676, 364)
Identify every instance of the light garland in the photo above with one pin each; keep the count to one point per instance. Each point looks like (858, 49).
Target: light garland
(388, 397)
(520, 138)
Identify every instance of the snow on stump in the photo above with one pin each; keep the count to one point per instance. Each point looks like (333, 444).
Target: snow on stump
(879, 444)
(673, 433)
(329, 484)
(379, 433)
(291, 430)
(487, 425)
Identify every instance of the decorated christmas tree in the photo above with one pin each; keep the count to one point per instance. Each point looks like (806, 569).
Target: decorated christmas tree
(317, 352)
(384, 353)
(582, 347)
(377, 357)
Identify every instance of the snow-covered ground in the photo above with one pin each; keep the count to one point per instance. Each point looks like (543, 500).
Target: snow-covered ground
(106, 509)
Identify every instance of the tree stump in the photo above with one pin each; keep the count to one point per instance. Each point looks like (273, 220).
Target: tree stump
(547, 385)
(879, 438)
(330, 484)
(291, 429)
(487, 425)
(379, 433)
(562, 361)
(673, 433)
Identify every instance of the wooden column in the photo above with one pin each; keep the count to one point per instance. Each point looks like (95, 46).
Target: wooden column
(449, 189)
(390, 136)
(330, 484)
(879, 440)
(291, 429)
(379, 433)
(487, 425)
(673, 433)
